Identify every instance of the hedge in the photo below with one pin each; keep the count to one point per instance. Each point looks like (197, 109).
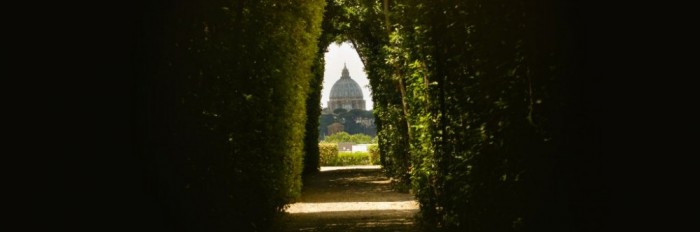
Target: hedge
(331, 157)
(328, 153)
(373, 150)
(479, 106)
(223, 91)
(352, 158)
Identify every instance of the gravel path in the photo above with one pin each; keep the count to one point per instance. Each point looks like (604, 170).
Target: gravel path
(351, 198)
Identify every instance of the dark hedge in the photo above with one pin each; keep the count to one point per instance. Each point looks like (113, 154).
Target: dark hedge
(224, 101)
(481, 107)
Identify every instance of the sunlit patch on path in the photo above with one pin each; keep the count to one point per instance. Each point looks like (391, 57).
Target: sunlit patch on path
(332, 168)
(351, 206)
(350, 198)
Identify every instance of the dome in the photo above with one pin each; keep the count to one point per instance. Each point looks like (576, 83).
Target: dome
(346, 87)
(346, 94)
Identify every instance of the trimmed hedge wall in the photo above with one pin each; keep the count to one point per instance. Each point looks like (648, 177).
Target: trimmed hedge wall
(328, 153)
(351, 158)
(224, 94)
(313, 111)
(479, 106)
(373, 150)
(330, 156)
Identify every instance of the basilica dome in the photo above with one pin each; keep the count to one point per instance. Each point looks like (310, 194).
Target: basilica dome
(346, 87)
(346, 93)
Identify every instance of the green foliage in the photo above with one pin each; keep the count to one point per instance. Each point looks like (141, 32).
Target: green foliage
(340, 111)
(475, 103)
(345, 137)
(373, 150)
(331, 157)
(313, 110)
(225, 91)
(349, 119)
(352, 158)
(324, 122)
(469, 103)
(362, 23)
(334, 158)
(328, 153)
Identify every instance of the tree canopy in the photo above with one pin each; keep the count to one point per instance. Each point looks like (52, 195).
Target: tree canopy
(345, 137)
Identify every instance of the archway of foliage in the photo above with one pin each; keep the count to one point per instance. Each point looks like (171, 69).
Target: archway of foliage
(361, 23)
(479, 107)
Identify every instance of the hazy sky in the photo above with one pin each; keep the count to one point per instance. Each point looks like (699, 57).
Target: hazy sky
(335, 57)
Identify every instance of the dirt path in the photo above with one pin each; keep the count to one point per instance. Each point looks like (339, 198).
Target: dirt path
(357, 198)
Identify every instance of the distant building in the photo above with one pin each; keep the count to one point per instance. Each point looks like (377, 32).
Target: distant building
(359, 147)
(335, 128)
(346, 94)
(365, 122)
(345, 146)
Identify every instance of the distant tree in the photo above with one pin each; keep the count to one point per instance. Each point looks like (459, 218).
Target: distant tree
(324, 121)
(340, 111)
(360, 138)
(338, 137)
(344, 137)
(357, 112)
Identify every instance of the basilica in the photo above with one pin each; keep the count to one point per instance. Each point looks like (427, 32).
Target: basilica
(346, 94)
